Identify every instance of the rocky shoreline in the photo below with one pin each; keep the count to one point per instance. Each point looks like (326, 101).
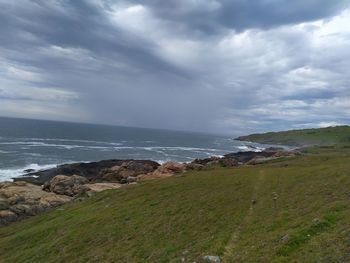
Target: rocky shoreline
(39, 191)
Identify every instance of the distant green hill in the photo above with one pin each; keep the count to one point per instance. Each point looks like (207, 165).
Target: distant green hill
(289, 210)
(306, 137)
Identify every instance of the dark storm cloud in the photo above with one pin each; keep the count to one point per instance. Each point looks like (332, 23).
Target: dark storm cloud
(73, 24)
(213, 15)
(219, 66)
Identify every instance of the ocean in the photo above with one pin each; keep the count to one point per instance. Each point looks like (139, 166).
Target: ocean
(37, 144)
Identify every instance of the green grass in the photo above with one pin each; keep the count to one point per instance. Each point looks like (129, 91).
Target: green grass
(202, 213)
(322, 136)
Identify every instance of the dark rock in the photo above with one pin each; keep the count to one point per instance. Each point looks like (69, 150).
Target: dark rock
(274, 149)
(244, 157)
(29, 170)
(123, 181)
(225, 161)
(228, 162)
(89, 170)
(206, 161)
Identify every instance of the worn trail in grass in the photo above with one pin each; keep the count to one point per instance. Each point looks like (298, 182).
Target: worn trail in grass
(230, 247)
(202, 213)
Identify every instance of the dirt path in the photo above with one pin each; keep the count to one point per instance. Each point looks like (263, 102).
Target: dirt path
(230, 247)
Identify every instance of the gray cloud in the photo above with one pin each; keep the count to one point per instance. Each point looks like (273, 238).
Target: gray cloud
(212, 15)
(217, 66)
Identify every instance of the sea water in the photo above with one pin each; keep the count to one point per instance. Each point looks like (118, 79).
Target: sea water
(36, 144)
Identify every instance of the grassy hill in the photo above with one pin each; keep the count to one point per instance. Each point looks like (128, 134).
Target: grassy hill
(320, 136)
(211, 212)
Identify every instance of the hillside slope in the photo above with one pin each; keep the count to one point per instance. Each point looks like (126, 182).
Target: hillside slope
(202, 213)
(320, 136)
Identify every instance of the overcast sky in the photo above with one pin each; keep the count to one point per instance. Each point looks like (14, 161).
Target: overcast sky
(229, 66)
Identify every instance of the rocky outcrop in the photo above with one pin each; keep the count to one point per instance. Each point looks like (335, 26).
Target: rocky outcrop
(21, 199)
(207, 161)
(67, 185)
(94, 171)
(260, 157)
(217, 161)
(171, 168)
(127, 171)
(244, 157)
(228, 162)
(167, 169)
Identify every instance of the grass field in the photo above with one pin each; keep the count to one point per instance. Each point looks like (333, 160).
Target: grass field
(322, 136)
(211, 212)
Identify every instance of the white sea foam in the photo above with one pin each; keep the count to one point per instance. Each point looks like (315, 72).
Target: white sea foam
(33, 154)
(172, 148)
(72, 140)
(250, 148)
(8, 174)
(64, 146)
(117, 147)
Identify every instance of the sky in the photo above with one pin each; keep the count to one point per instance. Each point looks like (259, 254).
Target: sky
(215, 66)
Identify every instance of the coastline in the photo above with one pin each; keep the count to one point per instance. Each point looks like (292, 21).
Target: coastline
(39, 191)
(305, 190)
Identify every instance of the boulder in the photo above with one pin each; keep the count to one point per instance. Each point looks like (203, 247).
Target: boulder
(171, 168)
(111, 174)
(22, 199)
(67, 185)
(167, 169)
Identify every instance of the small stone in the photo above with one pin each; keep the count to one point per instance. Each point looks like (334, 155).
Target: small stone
(285, 239)
(212, 259)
